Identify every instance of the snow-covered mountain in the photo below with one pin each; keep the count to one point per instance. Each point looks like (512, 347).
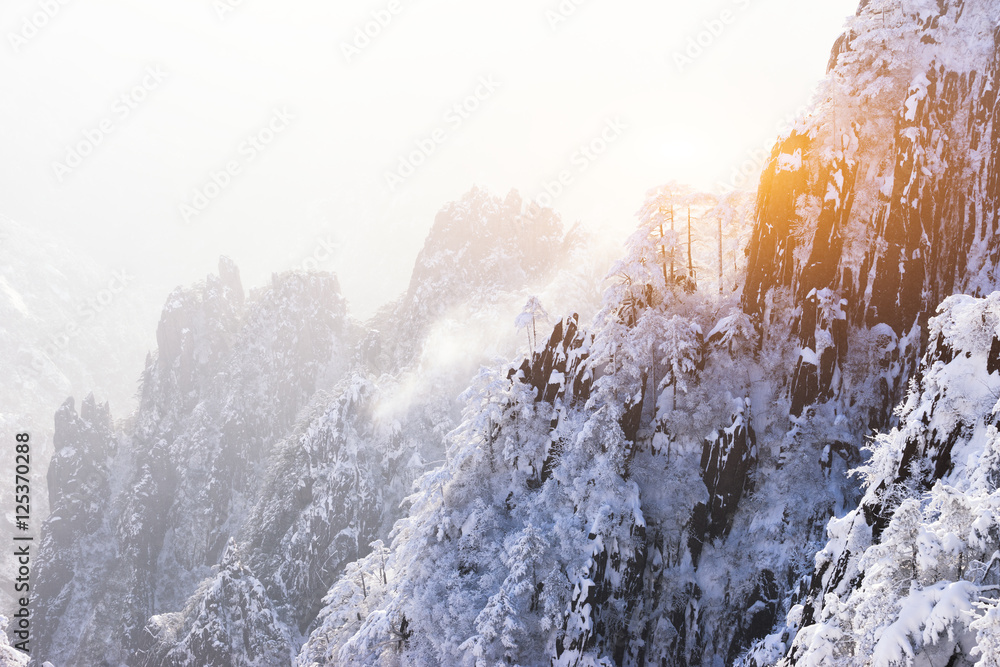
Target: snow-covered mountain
(69, 325)
(886, 194)
(665, 481)
(673, 506)
(273, 443)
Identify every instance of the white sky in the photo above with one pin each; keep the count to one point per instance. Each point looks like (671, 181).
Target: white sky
(324, 175)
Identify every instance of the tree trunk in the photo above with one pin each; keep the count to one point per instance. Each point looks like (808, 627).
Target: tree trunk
(671, 247)
(663, 255)
(690, 261)
(720, 255)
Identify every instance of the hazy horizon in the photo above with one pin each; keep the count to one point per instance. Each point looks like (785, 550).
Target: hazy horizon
(200, 78)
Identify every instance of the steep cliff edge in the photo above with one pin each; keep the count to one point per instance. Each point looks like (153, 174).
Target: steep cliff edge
(884, 200)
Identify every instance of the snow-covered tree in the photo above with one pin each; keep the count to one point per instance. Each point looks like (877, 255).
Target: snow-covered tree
(681, 350)
(229, 621)
(530, 317)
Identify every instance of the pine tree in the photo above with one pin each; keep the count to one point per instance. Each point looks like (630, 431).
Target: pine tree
(531, 316)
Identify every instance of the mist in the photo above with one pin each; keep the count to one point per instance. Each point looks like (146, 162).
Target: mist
(124, 120)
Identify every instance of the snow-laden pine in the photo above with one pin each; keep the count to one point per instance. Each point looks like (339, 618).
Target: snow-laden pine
(912, 575)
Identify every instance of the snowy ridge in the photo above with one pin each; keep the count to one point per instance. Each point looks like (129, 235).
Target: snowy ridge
(152, 510)
(266, 423)
(606, 452)
(891, 207)
(480, 250)
(58, 315)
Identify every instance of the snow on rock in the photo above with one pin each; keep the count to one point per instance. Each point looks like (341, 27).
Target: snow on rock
(912, 570)
(10, 656)
(897, 156)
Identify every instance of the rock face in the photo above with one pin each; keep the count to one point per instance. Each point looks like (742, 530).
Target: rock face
(79, 482)
(332, 487)
(559, 370)
(870, 214)
(481, 247)
(727, 463)
(885, 200)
